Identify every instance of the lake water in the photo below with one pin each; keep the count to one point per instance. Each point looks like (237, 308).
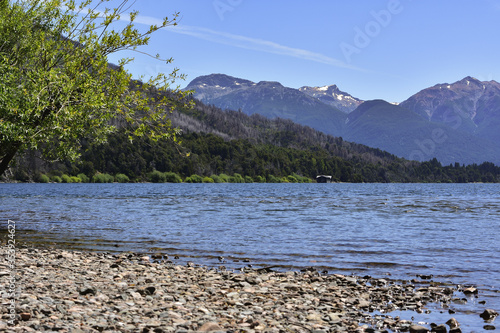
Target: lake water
(396, 231)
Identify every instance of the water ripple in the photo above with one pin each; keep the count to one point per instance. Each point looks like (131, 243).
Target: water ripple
(449, 230)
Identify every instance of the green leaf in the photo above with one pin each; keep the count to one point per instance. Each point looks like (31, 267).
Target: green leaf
(56, 87)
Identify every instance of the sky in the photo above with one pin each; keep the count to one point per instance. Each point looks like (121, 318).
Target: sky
(371, 49)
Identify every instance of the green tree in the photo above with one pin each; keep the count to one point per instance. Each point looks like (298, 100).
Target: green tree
(66, 179)
(57, 87)
(157, 177)
(83, 178)
(44, 179)
(208, 180)
(172, 177)
(122, 178)
(194, 179)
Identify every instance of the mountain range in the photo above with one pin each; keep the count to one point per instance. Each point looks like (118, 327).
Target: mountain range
(469, 105)
(267, 98)
(258, 148)
(456, 122)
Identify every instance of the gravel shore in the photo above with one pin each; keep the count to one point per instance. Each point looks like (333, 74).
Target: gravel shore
(74, 291)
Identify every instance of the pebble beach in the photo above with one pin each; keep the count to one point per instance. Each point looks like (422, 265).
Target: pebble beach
(76, 291)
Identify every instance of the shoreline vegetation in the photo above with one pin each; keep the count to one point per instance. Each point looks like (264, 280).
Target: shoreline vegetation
(79, 291)
(209, 158)
(165, 177)
(462, 174)
(172, 177)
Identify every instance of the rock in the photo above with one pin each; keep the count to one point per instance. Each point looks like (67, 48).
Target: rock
(87, 290)
(314, 317)
(489, 327)
(418, 329)
(363, 304)
(144, 291)
(204, 310)
(210, 326)
(453, 323)
(448, 291)
(439, 329)
(470, 291)
(25, 316)
(136, 296)
(459, 300)
(488, 314)
(334, 318)
(63, 289)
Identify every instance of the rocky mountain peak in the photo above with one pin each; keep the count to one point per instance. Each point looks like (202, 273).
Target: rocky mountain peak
(470, 79)
(270, 84)
(469, 83)
(221, 80)
(472, 100)
(333, 96)
(209, 87)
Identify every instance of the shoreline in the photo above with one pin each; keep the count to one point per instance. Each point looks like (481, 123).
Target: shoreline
(82, 291)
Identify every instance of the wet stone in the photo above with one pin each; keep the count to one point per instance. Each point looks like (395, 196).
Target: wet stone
(418, 329)
(455, 330)
(489, 314)
(470, 291)
(439, 329)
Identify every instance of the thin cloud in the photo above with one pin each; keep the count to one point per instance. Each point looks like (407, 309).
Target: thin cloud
(249, 43)
(257, 44)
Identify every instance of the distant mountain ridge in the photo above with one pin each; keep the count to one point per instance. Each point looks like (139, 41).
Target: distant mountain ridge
(268, 98)
(458, 122)
(404, 133)
(468, 105)
(210, 87)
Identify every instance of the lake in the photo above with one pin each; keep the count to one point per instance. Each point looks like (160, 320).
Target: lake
(394, 231)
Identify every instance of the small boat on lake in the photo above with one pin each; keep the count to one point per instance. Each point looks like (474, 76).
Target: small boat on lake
(323, 179)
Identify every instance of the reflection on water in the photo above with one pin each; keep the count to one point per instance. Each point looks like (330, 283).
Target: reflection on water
(450, 231)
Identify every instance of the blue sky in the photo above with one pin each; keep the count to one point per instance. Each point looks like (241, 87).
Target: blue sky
(388, 49)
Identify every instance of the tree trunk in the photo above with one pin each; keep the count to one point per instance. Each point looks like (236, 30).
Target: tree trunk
(8, 151)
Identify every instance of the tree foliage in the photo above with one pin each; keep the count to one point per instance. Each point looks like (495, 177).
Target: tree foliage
(56, 86)
(241, 161)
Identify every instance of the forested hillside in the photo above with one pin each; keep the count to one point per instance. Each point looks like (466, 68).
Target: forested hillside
(380, 124)
(218, 145)
(455, 122)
